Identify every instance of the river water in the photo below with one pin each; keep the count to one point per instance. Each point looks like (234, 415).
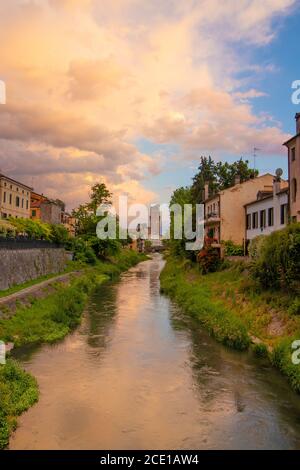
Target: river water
(138, 374)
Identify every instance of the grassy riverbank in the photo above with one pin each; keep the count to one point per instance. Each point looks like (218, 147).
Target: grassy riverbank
(47, 320)
(237, 312)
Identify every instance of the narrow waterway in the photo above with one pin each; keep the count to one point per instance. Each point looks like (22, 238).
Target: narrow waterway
(138, 374)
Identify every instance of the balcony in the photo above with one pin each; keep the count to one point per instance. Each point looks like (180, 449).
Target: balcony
(212, 218)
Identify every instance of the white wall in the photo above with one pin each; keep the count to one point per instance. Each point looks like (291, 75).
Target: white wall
(265, 204)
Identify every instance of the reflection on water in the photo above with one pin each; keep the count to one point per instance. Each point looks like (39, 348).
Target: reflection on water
(139, 374)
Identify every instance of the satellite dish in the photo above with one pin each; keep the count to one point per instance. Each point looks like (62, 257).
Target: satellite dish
(279, 172)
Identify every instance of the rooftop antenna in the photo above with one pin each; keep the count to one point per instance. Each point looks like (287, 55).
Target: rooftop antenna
(255, 150)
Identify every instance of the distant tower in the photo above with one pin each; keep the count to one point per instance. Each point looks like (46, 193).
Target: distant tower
(155, 225)
(2, 92)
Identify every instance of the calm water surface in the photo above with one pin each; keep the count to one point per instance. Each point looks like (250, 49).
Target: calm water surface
(137, 374)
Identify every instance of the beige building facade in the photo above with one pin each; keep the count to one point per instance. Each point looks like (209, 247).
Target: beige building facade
(293, 146)
(14, 198)
(225, 213)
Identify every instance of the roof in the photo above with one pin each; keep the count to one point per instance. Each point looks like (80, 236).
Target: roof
(269, 196)
(35, 205)
(235, 185)
(38, 196)
(15, 181)
(291, 139)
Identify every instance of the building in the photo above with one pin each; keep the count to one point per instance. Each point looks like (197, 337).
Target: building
(269, 212)
(44, 209)
(155, 226)
(14, 198)
(69, 223)
(225, 213)
(293, 146)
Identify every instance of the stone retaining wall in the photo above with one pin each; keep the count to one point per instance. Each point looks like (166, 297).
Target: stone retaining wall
(19, 266)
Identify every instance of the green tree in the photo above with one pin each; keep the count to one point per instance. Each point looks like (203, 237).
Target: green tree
(87, 220)
(206, 173)
(99, 195)
(179, 197)
(219, 176)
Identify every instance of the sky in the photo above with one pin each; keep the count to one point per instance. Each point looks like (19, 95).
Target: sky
(132, 92)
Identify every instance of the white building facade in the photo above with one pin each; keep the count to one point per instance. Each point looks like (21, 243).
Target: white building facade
(268, 213)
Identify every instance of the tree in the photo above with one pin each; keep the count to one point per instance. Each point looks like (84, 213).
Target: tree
(87, 220)
(99, 195)
(219, 176)
(180, 197)
(206, 173)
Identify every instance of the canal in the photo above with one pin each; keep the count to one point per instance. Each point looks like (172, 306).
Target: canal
(138, 374)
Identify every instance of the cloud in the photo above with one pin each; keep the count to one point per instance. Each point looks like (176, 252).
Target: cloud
(93, 79)
(249, 94)
(86, 80)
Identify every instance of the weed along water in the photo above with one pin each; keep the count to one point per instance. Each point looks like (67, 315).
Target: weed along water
(139, 374)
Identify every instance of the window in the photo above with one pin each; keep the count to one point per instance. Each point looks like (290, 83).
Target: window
(26, 204)
(33, 213)
(293, 154)
(17, 201)
(262, 218)
(283, 213)
(294, 189)
(248, 222)
(4, 196)
(22, 203)
(10, 198)
(271, 217)
(255, 220)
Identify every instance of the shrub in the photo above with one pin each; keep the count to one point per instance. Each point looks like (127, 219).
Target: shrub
(260, 350)
(82, 250)
(294, 308)
(277, 263)
(58, 234)
(282, 359)
(7, 229)
(18, 391)
(231, 249)
(255, 246)
(209, 260)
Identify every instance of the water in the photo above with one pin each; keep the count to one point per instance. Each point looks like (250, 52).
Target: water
(138, 374)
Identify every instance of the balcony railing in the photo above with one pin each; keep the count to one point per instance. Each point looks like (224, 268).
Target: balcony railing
(213, 215)
(23, 243)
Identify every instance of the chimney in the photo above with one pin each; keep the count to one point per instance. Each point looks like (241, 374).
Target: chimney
(237, 179)
(206, 190)
(297, 117)
(276, 186)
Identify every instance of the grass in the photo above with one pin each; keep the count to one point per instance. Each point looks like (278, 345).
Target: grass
(47, 320)
(195, 298)
(18, 392)
(234, 309)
